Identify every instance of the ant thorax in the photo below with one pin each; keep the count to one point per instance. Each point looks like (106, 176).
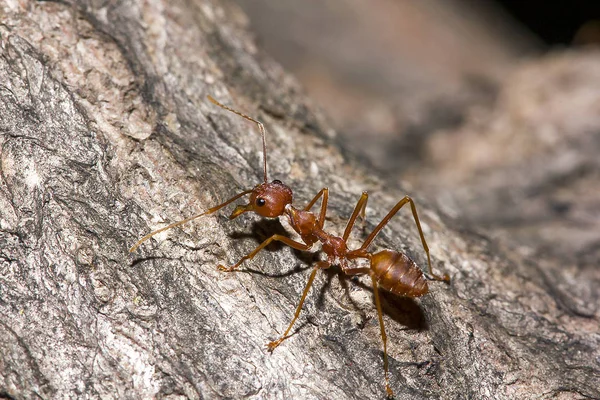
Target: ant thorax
(304, 223)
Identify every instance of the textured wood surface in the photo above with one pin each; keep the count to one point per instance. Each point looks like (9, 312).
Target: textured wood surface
(106, 134)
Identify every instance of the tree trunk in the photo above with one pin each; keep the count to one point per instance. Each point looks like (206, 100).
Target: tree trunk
(106, 135)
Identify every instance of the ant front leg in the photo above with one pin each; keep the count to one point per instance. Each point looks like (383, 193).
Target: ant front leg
(319, 265)
(387, 219)
(279, 238)
(325, 193)
(360, 208)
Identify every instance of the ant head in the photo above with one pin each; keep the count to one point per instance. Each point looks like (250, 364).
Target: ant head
(267, 200)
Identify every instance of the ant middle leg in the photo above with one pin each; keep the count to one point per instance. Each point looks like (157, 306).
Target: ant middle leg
(283, 239)
(319, 265)
(387, 219)
(356, 271)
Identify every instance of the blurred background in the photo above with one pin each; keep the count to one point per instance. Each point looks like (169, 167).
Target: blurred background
(491, 109)
(394, 71)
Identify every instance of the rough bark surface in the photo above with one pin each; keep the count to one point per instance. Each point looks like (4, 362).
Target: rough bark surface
(105, 134)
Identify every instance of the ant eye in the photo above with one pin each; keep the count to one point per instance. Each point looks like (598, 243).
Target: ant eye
(260, 202)
(277, 181)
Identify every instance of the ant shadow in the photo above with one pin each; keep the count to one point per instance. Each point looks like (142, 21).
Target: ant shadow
(405, 311)
(263, 229)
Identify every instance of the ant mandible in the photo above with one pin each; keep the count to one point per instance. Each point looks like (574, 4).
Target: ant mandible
(391, 270)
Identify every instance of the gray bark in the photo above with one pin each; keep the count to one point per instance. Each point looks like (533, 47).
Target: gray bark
(106, 134)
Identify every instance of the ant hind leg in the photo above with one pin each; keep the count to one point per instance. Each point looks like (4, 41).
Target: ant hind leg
(388, 217)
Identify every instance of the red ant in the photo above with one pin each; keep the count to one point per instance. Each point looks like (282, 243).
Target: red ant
(392, 270)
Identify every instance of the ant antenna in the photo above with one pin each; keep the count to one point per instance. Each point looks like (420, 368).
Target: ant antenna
(261, 127)
(209, 211)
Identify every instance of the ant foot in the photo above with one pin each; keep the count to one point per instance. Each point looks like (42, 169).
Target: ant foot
(445, 278)
(224, 269)
(388, 390)
(273, 345)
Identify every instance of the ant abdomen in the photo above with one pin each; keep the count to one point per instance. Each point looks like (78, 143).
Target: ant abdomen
(398, 274)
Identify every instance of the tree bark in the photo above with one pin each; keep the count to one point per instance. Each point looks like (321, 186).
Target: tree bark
(106, 134)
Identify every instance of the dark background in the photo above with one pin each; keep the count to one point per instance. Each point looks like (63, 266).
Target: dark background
(555, 22)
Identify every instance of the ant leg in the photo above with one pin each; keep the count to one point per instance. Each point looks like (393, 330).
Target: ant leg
(360, 208)
(388, 389)
(363, 217)
(319, 265)
(325, 193)
(279, 238)
(387, 219)
(357, 271)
